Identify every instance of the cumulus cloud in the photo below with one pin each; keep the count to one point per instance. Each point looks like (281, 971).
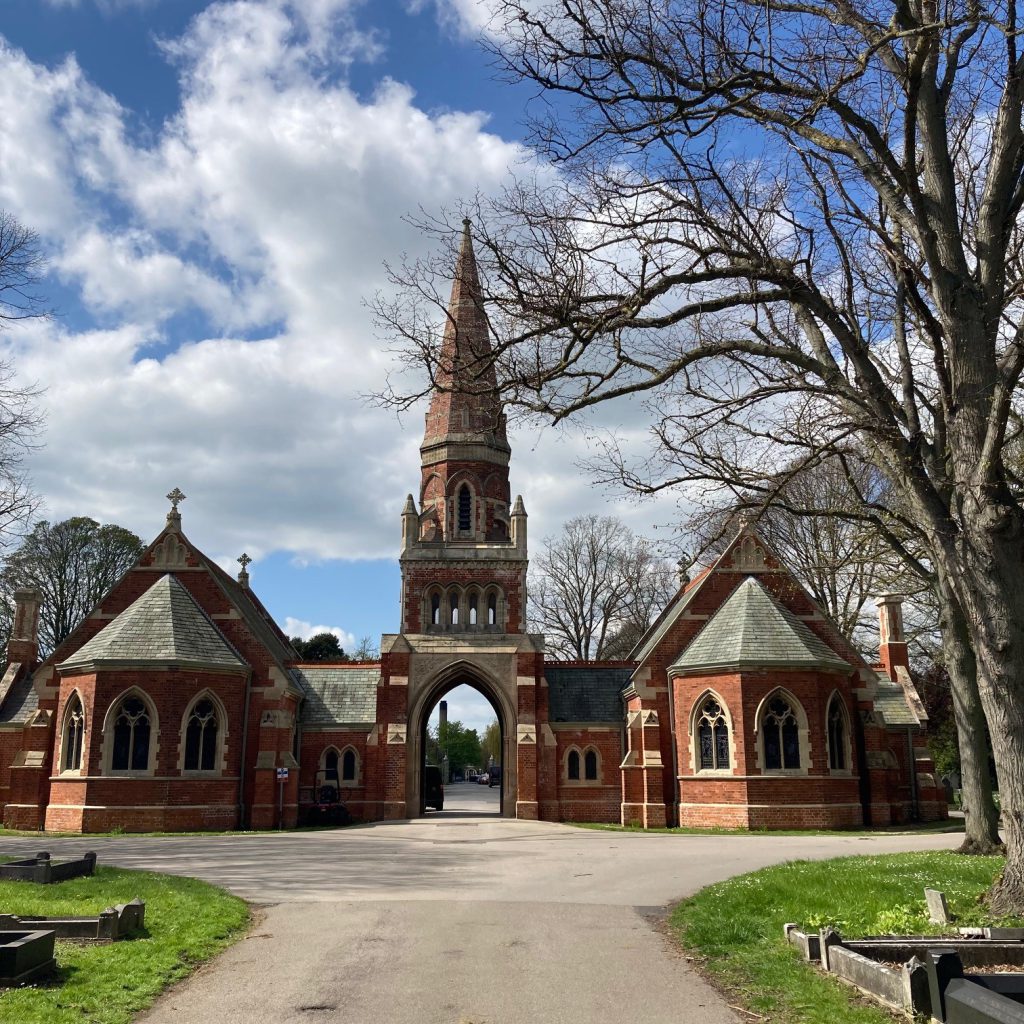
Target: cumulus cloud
(225, 259)
(304, 630)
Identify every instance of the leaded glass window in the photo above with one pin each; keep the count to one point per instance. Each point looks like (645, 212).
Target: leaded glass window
(574, 765)
(836, 735)
(201, 738)
(781, 736)
(131, 737)
(348, 766)
(712, 736)
(590, 765)
(331, 766)
(74, 732)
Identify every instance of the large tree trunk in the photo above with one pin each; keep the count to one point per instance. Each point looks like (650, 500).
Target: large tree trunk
(992, 554)
(981, 819)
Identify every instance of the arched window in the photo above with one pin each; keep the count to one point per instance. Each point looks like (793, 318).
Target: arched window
(201, 737)
(74, 734)
(435, 609)
(492, 609)
(473, 614)
(781, 735)
(330, 764)
(453, 608)
(349, 766)
(465, 508)
(711, 736)
(131, 735)
(837, 735)
(590, 766)
(573, 765)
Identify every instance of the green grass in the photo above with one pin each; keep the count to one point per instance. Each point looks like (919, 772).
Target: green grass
(928, 828)
(187, 922)
(737, 925)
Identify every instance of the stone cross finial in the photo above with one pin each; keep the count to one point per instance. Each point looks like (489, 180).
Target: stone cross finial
(243, 577)
(175, 498)
(683, 569)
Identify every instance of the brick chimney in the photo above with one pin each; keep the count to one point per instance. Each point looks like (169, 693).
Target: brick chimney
(23, 646)
(892, 645)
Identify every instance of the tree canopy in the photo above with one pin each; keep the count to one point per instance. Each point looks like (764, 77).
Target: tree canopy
(73, 564)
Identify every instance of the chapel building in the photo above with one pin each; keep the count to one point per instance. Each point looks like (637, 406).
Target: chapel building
(179, 704)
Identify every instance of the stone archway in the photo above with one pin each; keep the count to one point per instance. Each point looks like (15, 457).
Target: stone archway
(422, 702)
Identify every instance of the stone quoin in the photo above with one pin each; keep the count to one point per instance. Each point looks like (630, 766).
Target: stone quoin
(175, 702)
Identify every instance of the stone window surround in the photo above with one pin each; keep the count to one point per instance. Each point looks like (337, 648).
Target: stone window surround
(107, 743)
(62, 768)
(222, 738)
(695, 715)
(354, 783)
(847, 737)
(582, 781)
(802, 732)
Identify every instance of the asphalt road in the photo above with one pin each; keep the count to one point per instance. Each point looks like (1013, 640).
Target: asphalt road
(456, 919)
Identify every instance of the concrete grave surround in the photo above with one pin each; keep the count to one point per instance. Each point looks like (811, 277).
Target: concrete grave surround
(176, 702)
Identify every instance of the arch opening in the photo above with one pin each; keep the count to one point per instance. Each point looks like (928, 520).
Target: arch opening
(460, 758)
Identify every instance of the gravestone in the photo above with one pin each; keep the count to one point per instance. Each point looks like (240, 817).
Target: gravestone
(938, 910)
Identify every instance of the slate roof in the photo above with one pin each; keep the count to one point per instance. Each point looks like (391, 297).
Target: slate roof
(20, 702)
(751, 629)
(336, 695)
(164, 625)
(892, 701)
(586, 693)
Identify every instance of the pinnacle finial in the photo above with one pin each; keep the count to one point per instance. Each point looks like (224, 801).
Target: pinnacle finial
(175, 497)
(244, 561)
(683, 569)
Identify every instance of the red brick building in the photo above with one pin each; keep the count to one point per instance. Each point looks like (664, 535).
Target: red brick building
(178, 701)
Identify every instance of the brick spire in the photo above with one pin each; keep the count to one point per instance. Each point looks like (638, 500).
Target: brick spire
(466, 408)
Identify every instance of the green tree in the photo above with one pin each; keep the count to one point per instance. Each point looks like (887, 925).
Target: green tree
(461, 745)
(319, 647)
(491, 744)
(73, 564)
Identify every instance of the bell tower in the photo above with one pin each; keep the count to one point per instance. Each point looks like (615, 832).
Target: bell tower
(464, 548)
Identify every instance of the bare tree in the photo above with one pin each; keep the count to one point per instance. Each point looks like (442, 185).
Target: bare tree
(595, 587)
(773, 214)
(72, 564)
(22, 265)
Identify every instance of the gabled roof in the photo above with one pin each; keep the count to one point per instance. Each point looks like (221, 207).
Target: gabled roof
(338, 695)
(586, 693)
(18, 698)
(751, 629)
(163, 626)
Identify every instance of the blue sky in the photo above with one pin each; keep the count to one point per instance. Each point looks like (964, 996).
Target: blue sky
(218, 186)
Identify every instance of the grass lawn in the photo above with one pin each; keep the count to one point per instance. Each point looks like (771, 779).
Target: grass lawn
(187, 922)
(737, 925)
(928, 828)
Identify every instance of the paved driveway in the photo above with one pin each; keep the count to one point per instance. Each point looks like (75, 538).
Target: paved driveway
(455, 919)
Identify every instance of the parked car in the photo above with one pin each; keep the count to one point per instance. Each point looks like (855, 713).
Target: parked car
(481, 779)
(494, 777)
(433, 789)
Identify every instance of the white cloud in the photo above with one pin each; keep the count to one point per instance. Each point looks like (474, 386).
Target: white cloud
(266, 205)
(304, 630)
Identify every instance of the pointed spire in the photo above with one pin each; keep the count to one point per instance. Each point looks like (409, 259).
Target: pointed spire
(410, 506)
(466, 407)
(519, 509)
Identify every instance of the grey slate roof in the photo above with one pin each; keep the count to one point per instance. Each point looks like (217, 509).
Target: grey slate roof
(164, 625)
(20, 702)
(890, 701)
(335, 695)
(753, 630)
(586, 693)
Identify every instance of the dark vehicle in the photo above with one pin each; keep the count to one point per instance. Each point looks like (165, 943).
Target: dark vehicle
(327, 808)
(494, 776)
(433, 790)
